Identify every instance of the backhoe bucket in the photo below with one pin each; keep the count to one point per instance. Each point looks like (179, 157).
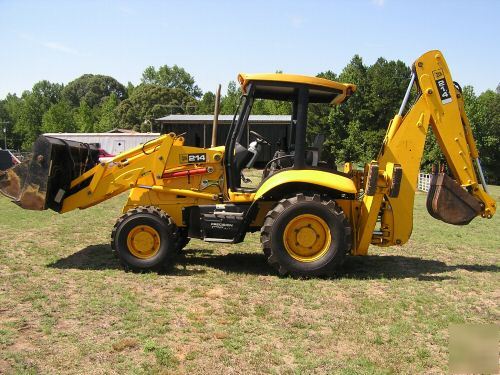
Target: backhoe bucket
(449, 202)
(43, 181)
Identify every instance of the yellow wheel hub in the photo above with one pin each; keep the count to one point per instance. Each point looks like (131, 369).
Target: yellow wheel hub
(307, 238)
(143, 242)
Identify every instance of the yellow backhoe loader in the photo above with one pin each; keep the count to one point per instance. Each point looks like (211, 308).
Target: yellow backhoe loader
(310, 215)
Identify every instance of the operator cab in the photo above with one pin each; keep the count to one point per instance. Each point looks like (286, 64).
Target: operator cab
(299, 91)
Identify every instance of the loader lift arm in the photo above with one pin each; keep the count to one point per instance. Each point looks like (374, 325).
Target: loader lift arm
(120, 174)
(439, 105)
(149, 166)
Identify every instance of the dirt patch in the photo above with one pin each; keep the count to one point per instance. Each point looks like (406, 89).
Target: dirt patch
(127, 343)
(215, 293)
(5, 367)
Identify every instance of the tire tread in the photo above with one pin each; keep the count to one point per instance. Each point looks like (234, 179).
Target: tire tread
(153, 210)
(273, 214)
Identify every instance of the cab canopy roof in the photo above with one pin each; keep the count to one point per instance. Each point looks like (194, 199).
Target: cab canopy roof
(279, 86)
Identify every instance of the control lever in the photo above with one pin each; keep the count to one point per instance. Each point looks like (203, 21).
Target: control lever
(245, 180)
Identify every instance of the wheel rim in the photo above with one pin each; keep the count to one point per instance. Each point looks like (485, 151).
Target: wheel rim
(143, 242)
(307, 238)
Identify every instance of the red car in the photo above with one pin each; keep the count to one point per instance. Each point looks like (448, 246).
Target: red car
(105, 156)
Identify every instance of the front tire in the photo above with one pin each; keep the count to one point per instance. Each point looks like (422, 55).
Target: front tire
(144, 239)
(305, 236)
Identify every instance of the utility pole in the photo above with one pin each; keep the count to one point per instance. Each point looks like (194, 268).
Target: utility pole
(4, 123)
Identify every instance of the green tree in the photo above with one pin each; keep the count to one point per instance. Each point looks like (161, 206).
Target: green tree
(34, 105)
(9, 113)
(59, 118)
(229, 103)
(319, 121)
(271, 107)
(149, 102)
(5, 125)
(171, 77)
(352, 148)
(84, 118)
(206, 105)
(130, 89)
(484, 115)
(93, 89)
(108, 120)
(388, 81)
(347, 119)
(365, 116)
(11, 107)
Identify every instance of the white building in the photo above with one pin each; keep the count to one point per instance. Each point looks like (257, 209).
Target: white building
(113, 143)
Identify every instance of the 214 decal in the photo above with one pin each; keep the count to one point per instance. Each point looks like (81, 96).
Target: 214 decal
(193, 158)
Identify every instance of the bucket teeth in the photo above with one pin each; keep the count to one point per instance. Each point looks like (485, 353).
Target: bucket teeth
(23, 185)
(9, 184)
(12, 181)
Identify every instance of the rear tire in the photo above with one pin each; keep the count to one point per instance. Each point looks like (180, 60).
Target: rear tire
(144, 239)
(305, 236)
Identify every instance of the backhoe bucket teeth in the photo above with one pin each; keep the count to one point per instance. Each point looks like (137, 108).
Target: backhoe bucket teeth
(449, 202)
(41, 182)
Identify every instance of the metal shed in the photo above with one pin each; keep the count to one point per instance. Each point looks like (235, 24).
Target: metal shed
(198, 129)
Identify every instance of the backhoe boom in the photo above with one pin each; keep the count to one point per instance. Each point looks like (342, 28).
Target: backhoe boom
(440, 106)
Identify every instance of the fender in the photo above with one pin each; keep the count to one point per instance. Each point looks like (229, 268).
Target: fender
(315, 177)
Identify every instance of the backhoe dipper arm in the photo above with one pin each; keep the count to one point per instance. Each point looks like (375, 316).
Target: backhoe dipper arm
(391, 194)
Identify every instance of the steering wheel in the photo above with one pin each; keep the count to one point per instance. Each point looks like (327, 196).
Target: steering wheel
(260, 138)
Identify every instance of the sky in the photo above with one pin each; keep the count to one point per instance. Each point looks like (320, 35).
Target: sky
(215, 40)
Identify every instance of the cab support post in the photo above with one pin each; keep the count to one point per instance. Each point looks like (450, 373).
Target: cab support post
(300, 132)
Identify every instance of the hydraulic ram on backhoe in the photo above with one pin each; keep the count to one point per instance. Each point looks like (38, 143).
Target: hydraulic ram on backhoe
(439, 105)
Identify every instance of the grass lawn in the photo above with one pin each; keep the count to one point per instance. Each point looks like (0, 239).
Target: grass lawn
(67, 307)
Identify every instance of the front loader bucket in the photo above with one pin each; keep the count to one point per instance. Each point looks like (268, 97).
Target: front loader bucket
(449, 202)
(42, 182)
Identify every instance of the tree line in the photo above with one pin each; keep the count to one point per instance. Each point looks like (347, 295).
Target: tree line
(354, 131)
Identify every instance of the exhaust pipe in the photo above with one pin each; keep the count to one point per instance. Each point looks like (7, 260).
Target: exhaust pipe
(43, 181)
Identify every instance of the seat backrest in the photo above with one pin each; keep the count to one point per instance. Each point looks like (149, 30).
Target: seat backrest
(319, 140)
(241, 157)
(313, 154)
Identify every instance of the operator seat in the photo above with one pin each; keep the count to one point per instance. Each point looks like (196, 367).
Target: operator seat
(313, 154)
(241, 158)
